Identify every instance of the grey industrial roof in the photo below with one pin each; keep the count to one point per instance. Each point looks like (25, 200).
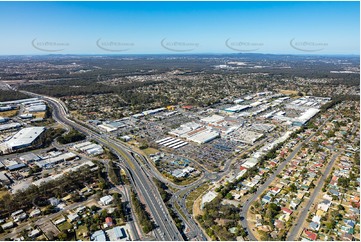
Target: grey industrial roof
(25, 136)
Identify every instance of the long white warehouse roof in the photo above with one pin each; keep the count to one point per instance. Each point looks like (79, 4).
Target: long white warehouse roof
(25, 136)
(307, 115)
(213, 119)
(204, 136)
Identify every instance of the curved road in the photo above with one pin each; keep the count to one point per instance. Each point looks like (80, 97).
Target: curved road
(166, 229)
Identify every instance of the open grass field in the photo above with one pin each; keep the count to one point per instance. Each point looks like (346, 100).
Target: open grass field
(150, 151)
(65, 226)
(3, 192)
(194, 195)
(288, 92)
(291, 92)
(10, 113)
(39, 114)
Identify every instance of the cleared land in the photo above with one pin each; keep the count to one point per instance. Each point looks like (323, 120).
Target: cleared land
(10, 113)
(194, 195)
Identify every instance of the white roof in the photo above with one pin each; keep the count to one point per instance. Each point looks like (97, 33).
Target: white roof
(208, 197)
(73, 216)
(238, 100)
(77, 146)
(204, 136)
(37, 108)
(237, 108)
(212, 119)
(53, 160)
(95, 151)
(9, 126)
(180, 130)
(255, 104)
(91, 146)
(107, 127)
(3, 177)
(107, 198)
(307, 115)
(25, 136)
(251, 162)
(20, 101)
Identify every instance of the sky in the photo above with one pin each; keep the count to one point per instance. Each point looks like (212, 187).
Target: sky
(179, 27)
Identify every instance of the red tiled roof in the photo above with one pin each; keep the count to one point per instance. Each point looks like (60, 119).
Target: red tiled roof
(334, 178)
(287, 210)
(311, 235)
(276, 189)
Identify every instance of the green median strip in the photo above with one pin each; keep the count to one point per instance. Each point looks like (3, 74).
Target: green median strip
(179, 210)
(119, 151)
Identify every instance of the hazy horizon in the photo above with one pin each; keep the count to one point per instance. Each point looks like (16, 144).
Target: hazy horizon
(126, 28)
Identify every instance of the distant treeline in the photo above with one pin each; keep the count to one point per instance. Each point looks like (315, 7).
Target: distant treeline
(126, 91)
(83, 87)
(338, 99)
(9, 95)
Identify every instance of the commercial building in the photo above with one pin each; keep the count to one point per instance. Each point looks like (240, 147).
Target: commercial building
(125, 138)
(24, 138)
(107, 127)
(26, 116)
(51, 178)
(237, 108)
(8, 225)
(238, 101)
(3, 120)
(263, 127)
(153, 111)
(98, 235)
(51, 161)
(178, 173)
(6, 108)
(184, 129)
(30, 157)
(72, 217)
(97, 150)
(9, 126)
(106, 200)
(247, 136)
(306, 116)
(80, 145)
(27, 100)
(89, 148)
(4, 179)
(35, 212)
(111, 126)
(204, 136)
(59, 221)
(213, 119)
(12, 165)
(117, 234)
(250, 162)
(36, 108)
(34, 233)
(208, 197)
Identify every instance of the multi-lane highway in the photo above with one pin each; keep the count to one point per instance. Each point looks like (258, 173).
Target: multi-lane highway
(166, 229)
